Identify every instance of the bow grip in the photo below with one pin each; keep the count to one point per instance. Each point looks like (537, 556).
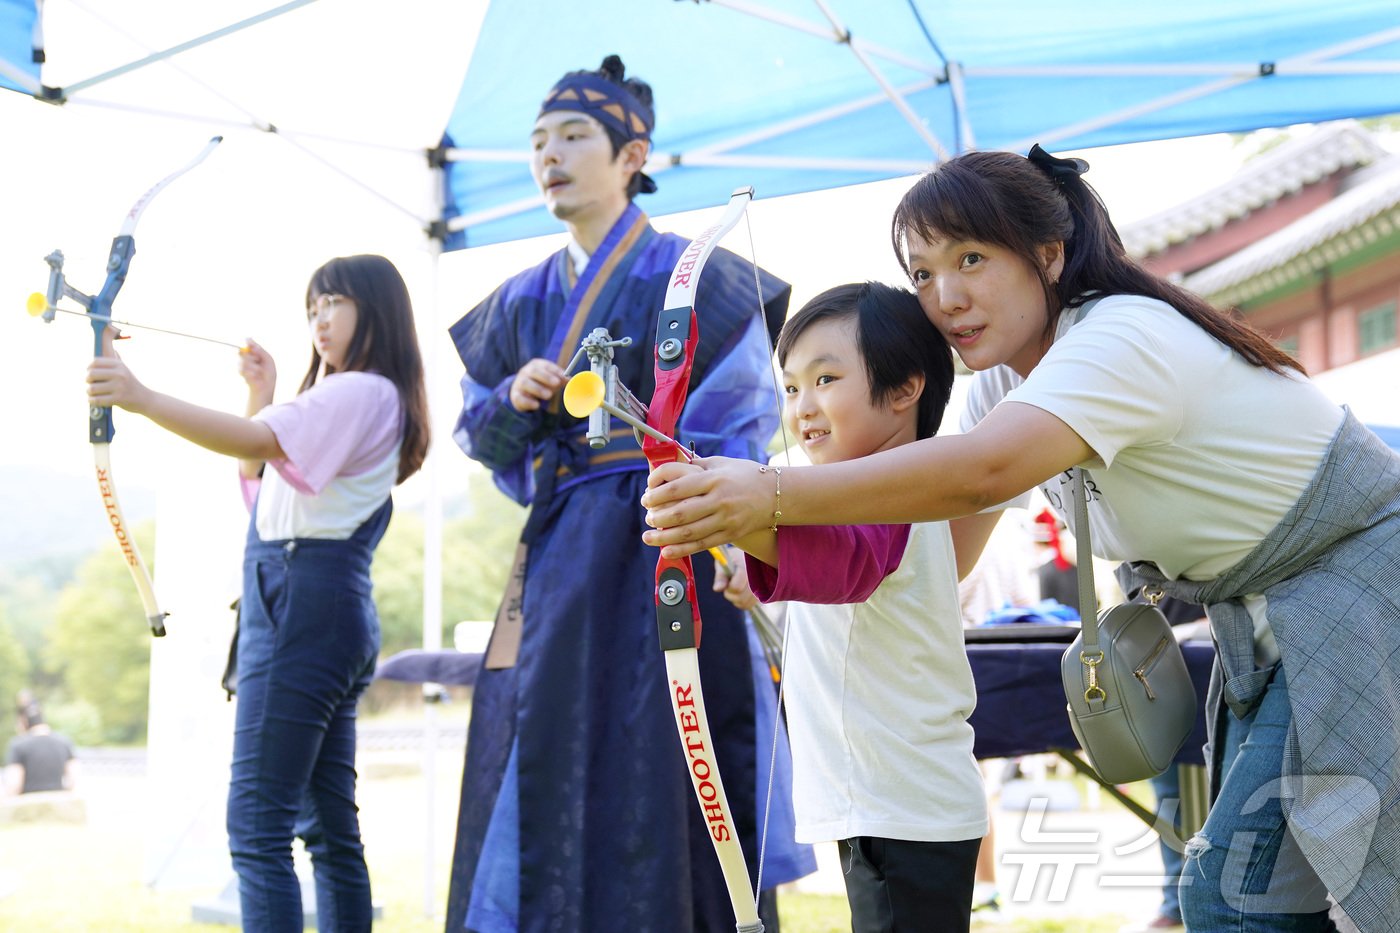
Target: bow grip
(100, 427)
(677, 614)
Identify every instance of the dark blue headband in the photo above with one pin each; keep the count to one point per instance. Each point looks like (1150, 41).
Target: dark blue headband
(610, 104)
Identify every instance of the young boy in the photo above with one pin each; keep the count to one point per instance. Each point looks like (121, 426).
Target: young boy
(878, 683)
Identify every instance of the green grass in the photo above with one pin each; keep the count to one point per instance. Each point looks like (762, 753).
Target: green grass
(827, 913)
(89, 877)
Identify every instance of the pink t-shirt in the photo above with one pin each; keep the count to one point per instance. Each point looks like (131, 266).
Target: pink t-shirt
(341, 439)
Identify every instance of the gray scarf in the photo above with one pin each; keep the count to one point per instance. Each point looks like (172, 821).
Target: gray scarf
(1330, 572)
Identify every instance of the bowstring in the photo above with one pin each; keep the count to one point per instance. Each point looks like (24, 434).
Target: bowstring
(783, 643)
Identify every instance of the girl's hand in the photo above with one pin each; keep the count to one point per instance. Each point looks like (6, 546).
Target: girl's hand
(257, 368)
(112, 384)
(535, 384)
(706, 503)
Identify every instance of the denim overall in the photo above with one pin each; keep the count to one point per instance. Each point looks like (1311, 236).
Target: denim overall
(307, 646)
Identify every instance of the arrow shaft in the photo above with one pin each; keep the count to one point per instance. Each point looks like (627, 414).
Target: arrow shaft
(160, 330)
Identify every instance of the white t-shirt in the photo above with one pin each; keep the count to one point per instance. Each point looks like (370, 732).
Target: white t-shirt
(1198, 454)
(879, 695)
(341, 438)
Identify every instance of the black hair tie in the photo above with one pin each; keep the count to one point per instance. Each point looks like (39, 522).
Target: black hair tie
(1059, 170)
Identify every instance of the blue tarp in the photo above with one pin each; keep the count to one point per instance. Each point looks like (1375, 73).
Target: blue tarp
(17, 63)
(776, 95)
(752, 89)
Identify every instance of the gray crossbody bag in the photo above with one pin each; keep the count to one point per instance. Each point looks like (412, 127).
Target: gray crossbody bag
(1130, 697)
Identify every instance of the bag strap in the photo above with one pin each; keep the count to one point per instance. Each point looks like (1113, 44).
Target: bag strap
(1090, 654)
(1084, 569)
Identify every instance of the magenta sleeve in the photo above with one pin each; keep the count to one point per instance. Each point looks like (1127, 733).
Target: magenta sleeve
(829, 564)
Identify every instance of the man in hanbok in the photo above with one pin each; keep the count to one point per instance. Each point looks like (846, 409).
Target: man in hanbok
(577, 811)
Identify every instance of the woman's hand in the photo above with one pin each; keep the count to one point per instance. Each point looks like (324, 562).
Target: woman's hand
(706, 503)
(535, 384)
(112, 384)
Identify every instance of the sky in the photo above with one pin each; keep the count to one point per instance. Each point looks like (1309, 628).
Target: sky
(226, 250)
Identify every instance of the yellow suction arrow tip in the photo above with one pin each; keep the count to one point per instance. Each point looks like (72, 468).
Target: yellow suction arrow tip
(583, 393)
(37, 304)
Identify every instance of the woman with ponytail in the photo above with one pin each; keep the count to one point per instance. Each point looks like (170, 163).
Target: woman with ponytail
(1215, 470)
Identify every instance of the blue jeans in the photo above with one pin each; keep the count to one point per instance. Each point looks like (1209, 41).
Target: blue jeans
(307, 644)
(1243, 870)
(1167, 787)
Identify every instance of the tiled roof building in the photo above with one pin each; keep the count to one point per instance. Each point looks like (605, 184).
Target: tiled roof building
(1304, 241)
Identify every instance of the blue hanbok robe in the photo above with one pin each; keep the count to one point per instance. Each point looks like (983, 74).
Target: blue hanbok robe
(577, 812)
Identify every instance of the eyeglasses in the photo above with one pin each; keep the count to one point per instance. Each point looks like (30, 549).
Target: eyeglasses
(324, 306)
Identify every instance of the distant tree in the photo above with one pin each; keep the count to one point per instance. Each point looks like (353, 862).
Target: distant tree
(14, 675)
(99, 645)
(28, 594)
(477, 548)
(1386, 124)
(398, 583)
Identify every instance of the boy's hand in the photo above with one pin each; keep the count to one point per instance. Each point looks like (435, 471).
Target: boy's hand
(732, 579)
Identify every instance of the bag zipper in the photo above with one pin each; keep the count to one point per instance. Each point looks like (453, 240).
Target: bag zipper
(1141, 672)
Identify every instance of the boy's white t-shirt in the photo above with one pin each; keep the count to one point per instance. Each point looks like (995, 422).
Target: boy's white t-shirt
(341, 438)
(879, 695)
(1198, 453)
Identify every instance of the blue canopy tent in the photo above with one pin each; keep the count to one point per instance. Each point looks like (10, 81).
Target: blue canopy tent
(796, 95)
(788, 96)
(799, 95)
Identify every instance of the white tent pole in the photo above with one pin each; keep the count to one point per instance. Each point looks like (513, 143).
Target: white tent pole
(19, 76)
(464, 221)
(433, 694)
(967, 139)
(706, 160)
(253, 120)
(1204, 90)
(1127, 113)
(897, 166)
(1183, 70)
(711, 155)
(894, 96)
(456, 154)
(292, 139)
(661, 161)
(73, 88)
(830, 34)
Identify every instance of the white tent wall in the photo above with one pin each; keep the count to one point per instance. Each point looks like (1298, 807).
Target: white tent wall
(226, 252)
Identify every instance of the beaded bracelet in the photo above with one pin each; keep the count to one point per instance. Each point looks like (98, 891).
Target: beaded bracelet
(777, 494)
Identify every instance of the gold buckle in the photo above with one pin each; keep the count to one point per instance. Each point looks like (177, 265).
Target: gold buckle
(1094, 691)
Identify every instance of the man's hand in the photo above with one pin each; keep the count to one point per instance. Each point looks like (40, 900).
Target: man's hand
(535, 384)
